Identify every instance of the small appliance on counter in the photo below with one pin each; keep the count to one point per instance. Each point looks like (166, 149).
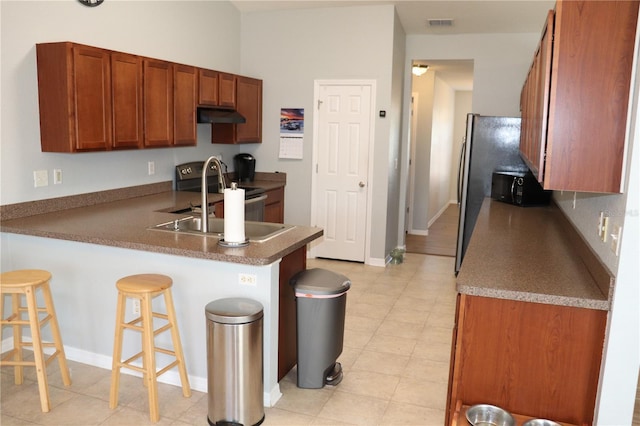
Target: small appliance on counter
(519, 188)
(245, 167)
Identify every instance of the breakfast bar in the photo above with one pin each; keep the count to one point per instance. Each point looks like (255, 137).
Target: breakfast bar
(99, 238)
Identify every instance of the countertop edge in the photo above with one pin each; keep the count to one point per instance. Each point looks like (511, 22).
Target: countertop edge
(231, 257)
(522, 296)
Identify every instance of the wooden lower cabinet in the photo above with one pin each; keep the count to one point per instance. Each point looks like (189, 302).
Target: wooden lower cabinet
(531, 359)
(290, 265)
(274, 206)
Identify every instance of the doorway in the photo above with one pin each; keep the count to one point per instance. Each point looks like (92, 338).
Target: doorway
(437, 128)
(343, 142)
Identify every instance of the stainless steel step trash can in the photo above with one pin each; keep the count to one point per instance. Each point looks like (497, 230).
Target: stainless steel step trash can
(234, 362)
(321, 299)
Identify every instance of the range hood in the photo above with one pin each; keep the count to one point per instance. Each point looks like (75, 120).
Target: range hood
(213, 115)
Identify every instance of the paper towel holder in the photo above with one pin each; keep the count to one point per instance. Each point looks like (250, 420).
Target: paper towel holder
(229, 244)
(232, 244)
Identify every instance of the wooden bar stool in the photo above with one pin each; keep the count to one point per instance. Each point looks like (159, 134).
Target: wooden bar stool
(26, 282)
(145, 287)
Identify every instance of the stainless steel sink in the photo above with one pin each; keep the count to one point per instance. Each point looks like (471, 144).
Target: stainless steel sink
(257, 232)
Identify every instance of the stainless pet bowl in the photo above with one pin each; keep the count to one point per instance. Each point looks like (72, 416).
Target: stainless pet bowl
(489, 415)
(540, 422)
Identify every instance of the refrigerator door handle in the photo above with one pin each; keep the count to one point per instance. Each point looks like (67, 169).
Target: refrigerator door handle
(460, 166)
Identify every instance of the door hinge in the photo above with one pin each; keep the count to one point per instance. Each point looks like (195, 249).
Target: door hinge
(319, 103)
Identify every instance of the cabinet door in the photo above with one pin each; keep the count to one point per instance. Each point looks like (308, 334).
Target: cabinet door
(158, 103)
(274, 206)
(535, 103)
(185, 93)
(529, 358)
(589, 100)
(126, 95)
(226, 90)
(208, 90)
(249, 104)
(92, 90)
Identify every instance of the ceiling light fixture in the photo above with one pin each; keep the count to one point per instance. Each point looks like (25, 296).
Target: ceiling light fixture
(418, 70)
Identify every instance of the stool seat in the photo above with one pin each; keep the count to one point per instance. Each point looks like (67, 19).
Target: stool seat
(24, 277)
(25, 283)
(144, 288)
(144, 283)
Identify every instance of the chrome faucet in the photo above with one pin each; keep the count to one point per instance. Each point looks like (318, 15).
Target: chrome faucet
(204, 226)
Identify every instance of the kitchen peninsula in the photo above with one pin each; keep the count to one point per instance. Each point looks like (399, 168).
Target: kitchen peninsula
(89, 241)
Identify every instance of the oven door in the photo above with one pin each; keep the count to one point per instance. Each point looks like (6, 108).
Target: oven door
(254, 208)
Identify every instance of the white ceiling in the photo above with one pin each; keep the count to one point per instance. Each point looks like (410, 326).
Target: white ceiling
(475, 17)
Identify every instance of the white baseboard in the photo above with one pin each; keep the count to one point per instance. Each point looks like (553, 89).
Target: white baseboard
(442, 210)
(170, 377)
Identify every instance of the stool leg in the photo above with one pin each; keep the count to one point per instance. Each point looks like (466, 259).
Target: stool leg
(177, 346)
(37, 349)
(149, 356)
(16, 303)
(55, 331)
(117, 352)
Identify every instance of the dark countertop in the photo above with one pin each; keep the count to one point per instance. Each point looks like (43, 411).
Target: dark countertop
(532, 254)
(121, 218)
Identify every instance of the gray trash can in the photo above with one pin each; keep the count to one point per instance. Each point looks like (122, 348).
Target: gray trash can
(321, 299)
(234, 362)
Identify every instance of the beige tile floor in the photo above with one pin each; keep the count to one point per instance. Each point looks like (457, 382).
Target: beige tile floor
(396, 360)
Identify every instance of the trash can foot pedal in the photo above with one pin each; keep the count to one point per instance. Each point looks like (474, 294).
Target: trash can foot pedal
(335, 375)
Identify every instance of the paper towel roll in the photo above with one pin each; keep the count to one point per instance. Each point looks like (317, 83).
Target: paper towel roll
(234, 215)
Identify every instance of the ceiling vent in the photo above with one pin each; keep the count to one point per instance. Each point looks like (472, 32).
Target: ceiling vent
(440, 22)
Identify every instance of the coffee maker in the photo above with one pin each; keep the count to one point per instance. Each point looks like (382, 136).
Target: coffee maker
(245, 167)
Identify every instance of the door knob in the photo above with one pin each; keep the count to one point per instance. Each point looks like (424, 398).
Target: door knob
(361, 184)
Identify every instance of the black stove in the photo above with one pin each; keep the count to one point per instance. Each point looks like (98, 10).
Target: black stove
(189, 178)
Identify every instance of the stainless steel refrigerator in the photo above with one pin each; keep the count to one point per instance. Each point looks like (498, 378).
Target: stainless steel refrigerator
(490, 144)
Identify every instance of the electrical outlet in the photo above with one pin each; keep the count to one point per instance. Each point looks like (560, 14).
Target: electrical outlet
(615, 239)
(247, 279)
(151, 168)
(40, 178)
(603, 226)
(135, 307)
(57, 176)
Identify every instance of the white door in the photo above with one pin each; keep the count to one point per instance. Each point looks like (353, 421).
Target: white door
(343, 135)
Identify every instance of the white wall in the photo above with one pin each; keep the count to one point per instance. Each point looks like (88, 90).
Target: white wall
(205, 34)
(463, 106)
(442, 143)
(424, 86)
(291, 49)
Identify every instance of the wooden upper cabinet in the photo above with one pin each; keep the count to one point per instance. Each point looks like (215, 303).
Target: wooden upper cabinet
(158, 103)
(249, 104)
(587, 97)
(226, 90)
(170, 93)
(74, 91)
(126, 95)
(185, 95)
(208, 87)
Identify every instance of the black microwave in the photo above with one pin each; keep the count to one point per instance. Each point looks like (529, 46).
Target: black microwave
(519, 188)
